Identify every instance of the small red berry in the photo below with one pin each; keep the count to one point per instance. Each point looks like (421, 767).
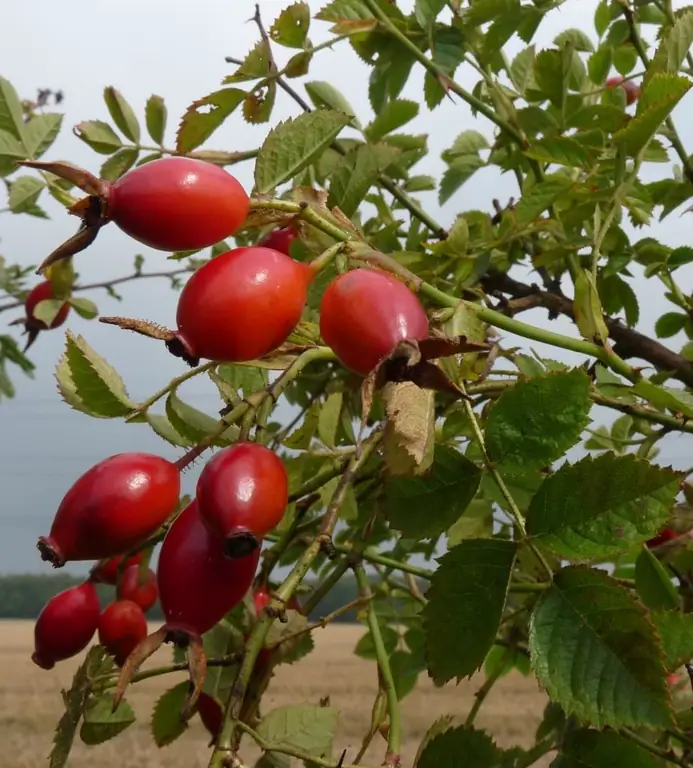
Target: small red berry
(66, 625)
(666, 534)
(632, 90)
(211, 714)
(122, 627)
(112, 507)
(242, 494)
(107, 573)
(198, 584)
(40, 293)
(144, 593)
(177, 204)
(261, 598)
(241, 305)
(280, 240)
(365, 313)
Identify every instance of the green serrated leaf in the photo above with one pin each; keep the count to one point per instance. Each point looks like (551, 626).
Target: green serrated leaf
(676, 633)
(325, 96)
(537, 421)
(88, 383)
(11, 150)
(601, 506)
(167, 724)
(447, 748)
(329, 419)
(445, 492)
(99, 136)
(347, 16)
(11, 115)
(596, 653)
(294, 144)
(24, 192)
(426, 11)
(119, 163)
(357, 173)
(466, 599)
(301, 437)
(394, 115)
(101, 723)
(537, 199)
(561, 150)
(291, 26)
(40, 132)
(84, 307)
(522, 70)
(205, 115)
(653, 583)
(588, 748)
(191, 423)
(669, 324)
(156, 115)
(122, 114)
(163, 427)
(304, 727)
(460, 170)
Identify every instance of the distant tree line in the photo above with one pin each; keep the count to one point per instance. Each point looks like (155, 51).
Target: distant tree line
(22, 596)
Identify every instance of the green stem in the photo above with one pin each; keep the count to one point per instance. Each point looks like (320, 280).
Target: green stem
(394, 734)
(665, 754)
(483, 692)
(173, 384)
(324, 588)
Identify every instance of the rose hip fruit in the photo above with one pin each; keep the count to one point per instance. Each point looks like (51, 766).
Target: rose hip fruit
(198, 584)
(112, 507)
(177, 204)
(632, 90)
(122, 627)
(280, 240)
(143, 593)
(66, 625)
(242, 494)
(261, 598)
(365, 313)
(40, 293)
(241, 305)
(666, 534)
(107, 573)
(211, 714)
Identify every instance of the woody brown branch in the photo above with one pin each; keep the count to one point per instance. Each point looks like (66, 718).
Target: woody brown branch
(629, 343)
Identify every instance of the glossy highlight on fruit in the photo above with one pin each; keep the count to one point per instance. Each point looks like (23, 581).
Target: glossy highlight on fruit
(39, 293)
(365, 313)
(177, 204)
(144, 593)
(241, 305)
(242, 490)
(198, 584)
(66, 625)
(107, 572)
(112, 507)
(122, 627)
(280, 240)
(631, 89)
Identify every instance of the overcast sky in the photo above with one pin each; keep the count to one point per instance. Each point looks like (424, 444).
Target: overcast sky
(179, 54)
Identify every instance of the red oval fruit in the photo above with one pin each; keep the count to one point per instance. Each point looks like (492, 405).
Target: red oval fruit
(211, 714)
(122, 627)
(242, 490)
(177, 204)
(666, 534)
(280, 240)
(40, 293)
(107, 573)
(261, 598)
(241, 305)
(66, 625)
(365, 313)
(632, 90)
(144, 593)
(112, 507)
(198, 585)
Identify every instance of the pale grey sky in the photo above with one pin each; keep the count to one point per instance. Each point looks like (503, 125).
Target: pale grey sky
(177, 50)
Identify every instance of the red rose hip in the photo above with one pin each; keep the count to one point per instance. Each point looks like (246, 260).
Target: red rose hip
(177, 204)
(665, 535)
(122, 627)
(280, 240)
(211, 714)
(198, 584)
(631, 89)
(107, 572)
(112, 507)
(365, 313)
(242, 494)
(66, 625)
(144, 592)
(39, 293)
(241, 305)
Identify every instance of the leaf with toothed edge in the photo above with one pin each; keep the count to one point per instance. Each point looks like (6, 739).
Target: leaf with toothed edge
(676, 632)
(167, 724)
(595, 651)
(88, 383)
(588, 748)
(305, 727)
(443, 748)
(205, 115)
(101, 723)
(192, 424)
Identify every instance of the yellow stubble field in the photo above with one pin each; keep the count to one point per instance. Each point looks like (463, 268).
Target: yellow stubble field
(30, 706)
